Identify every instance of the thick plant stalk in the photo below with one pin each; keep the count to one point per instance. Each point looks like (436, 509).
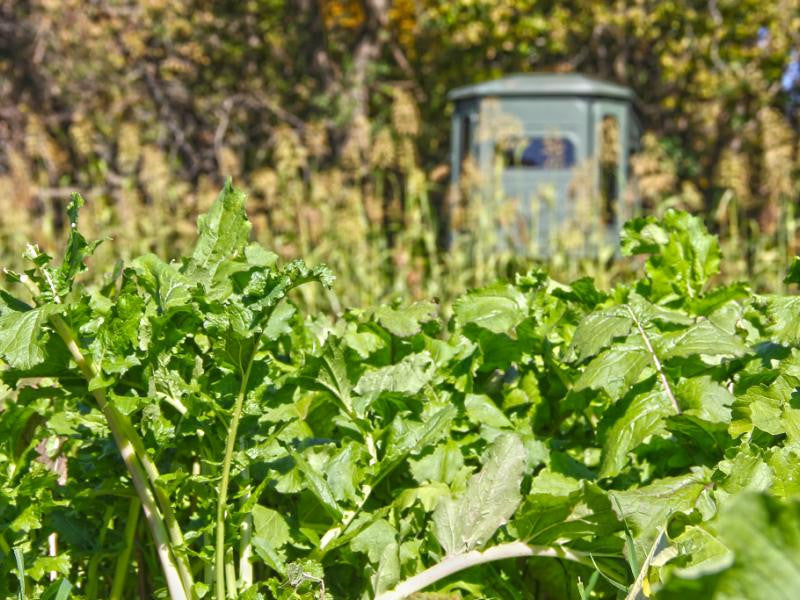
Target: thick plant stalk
(148, 465)
(656, 362)
(52, 551)
(219, 558)
(230, 574)
(459, 562)
(246, 553)
(245, 543)
(124, 559)
(170, 521)
(175, 582)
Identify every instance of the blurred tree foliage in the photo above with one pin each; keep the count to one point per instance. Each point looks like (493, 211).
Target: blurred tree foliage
(313, 104)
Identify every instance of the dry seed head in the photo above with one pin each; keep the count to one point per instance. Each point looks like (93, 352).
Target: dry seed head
(654, 170)
(406, 154)
(38, 143)
(315, 137)
(734, 174)
(265, 182)
(128, 147)
(20, 177)
(228, 162)
(777, 140)
(356, 144)
(154, 172)
(405, 116)
(290, 155)
(382, 153)
(609, 152)
(494, 123)
(81, 132)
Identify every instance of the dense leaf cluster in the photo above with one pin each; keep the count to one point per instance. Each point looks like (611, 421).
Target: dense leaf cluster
(548, 441)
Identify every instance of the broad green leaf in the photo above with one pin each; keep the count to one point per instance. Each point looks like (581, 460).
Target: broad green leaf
(717, 298)
(270, 525)
(168, 287)
(699, 553)
(21, 344)
(442, 465)
(583, 291)
(763, 535)
(344, 472)
(644, 235)
(558, 510)
(125, 330)
(482, 411)
(597, 330)
(278, 323)
(388, 573)
(332, 375)
(78, 249)
(703, 338)
(498, 308)
(648, 313)
(645, 509)
(785, 464)
(428, 496)
(683, 255)
(410, 438)
(406, 321)
(705, 399)
(363, 342)
(763, 407)
(258, 256)
(28, 519)
(491, 497)
(223, 233)
(318, 486)
(784, 315)
(269, 555)
(405, 377)
(745, 471)
(644, 417)
(372, 540)
(614, 370)
(43, 565)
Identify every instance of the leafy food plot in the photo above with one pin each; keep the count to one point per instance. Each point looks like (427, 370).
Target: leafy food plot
(549, 440)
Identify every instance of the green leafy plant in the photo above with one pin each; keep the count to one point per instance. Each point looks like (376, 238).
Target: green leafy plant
(182, 430)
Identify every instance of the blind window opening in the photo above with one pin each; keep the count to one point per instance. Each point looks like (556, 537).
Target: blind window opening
(465, 138)
(540, 152)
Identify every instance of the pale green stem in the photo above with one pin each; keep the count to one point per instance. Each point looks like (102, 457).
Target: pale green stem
(245, 547)
(230, 574)
(124, 560)
(219, 558)
(127, 430)
(459, 562)
(170, 520)
(155, 520)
